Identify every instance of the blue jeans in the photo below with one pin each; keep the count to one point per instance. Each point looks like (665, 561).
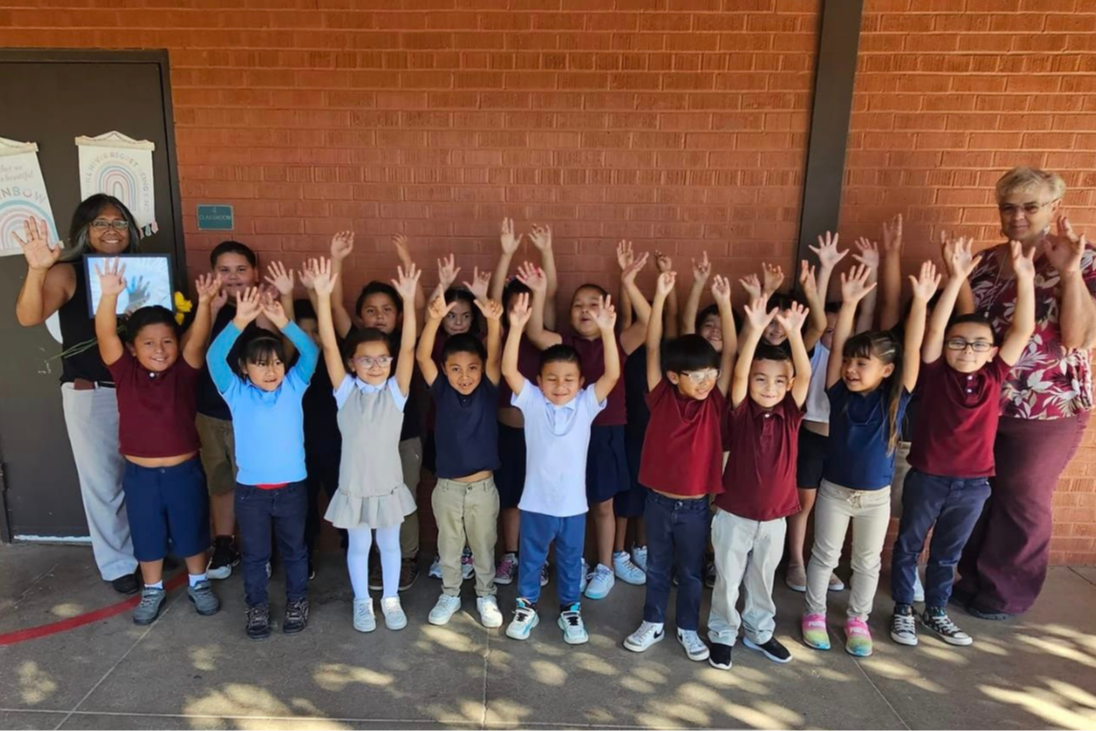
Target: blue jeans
(677, 535)
(953, 504)
(537, 532)
(287, 508)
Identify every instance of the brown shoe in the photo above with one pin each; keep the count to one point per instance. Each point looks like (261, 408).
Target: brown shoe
(409, 572)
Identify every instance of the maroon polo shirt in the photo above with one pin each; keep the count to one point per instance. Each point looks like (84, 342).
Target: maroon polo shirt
(957, 416)
(759, 482)
(156, 411)
(528, 366)
(682, 449)
(592, 353)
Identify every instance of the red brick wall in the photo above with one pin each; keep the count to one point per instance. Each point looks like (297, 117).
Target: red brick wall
(949, 95)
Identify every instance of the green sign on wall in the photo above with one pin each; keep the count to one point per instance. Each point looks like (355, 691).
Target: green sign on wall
(215, 218)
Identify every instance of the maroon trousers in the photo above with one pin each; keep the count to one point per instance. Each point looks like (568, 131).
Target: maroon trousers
(1005, 561)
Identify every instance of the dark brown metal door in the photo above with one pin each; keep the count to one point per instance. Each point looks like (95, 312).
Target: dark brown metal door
(52, 97)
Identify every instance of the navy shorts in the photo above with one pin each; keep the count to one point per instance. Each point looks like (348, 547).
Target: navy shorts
(510, 476)
(631, 504)
(812, 459)
(167, 502)
(607, 471)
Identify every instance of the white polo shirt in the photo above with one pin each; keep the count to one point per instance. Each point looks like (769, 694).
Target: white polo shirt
(557, 439)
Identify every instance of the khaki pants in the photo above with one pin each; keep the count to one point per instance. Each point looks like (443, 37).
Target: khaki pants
(411, 460)
(869, 513)
(746, 555)
(467, 512)
(901, 469)
(218, 453)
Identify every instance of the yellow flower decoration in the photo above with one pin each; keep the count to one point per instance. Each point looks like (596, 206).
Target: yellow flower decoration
(183, 306)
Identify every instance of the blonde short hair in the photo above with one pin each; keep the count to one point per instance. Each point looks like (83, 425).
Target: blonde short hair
(1027, 178)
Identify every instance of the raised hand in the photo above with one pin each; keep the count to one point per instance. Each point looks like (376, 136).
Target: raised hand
(606, 314)
(869, 253)
(772, 278)
(628, 276)
(926, 283)
(249, 305)
(533, 277)
(280, 278)
(39, 254)
(208, 287)
(959, 257)
(403, 249)
(491, 309)
(323, 279)
(509, 241)
(702, 269)
(807, 279)
(756, 316)
(342, 244)
(541, 236)
(520, 312)
(793, 318)
(625, 255)
(272, 308)
(828, 255)
(752, 285)
(1023, 265)
(663, 262)
(481, 282)
(306, 274)
(112, 279)
(438, 308)
(447, 272)
(892, 236)
(855, 285)
(1064, 250)
(665, 284)
(721, 290)
(407, 282)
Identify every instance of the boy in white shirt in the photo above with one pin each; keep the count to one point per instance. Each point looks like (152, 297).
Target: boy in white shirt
(558, 413)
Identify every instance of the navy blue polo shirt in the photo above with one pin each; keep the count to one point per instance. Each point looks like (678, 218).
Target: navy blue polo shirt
(859, 456)
(467, 430)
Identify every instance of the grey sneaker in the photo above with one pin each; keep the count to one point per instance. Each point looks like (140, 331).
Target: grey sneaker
(149, 608)
(204, 600)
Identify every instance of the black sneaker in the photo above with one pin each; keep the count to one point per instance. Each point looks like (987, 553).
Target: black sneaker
(376, 578)
(720, 656)
(936, 620)
(258, 622)
(296, 617)
(904, 625)
(409, 573)
(225, 558)
(771, 649)
(128, 584)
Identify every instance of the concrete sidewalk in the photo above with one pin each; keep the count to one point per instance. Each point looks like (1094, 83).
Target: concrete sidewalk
(190, 672)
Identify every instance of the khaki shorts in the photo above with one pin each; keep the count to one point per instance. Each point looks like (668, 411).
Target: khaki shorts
(218, 454)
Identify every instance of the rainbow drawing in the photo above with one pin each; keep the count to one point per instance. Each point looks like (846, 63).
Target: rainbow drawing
(117, 180)
(13, 212)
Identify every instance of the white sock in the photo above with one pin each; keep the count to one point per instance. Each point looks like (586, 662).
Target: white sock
(195, 579)
(157, 585)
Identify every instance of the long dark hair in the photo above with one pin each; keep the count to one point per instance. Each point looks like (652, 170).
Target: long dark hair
(885, 346)
(89, 209)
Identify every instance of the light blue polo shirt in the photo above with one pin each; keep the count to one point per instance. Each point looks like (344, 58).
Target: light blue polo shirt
(557, 439)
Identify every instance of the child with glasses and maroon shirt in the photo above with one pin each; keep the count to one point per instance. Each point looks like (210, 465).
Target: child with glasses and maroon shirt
(952, 453)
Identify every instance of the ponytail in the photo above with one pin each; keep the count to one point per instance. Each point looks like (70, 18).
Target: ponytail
(883, 345)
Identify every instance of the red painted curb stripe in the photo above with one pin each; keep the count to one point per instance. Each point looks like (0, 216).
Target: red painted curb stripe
(45, 630)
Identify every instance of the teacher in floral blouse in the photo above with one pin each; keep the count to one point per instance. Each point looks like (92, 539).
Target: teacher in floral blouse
(1046, 401)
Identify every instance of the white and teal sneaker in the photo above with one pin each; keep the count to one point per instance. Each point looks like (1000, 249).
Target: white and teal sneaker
(601, 583)
(574, 631)
(525, 619)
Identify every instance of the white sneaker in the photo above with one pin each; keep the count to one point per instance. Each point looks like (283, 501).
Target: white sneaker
(490, 616)
(574, 630)
(836, 584)
(601, 583)
(648, 634)
(525, 619)
(694, 646)
(918, 588)
(467, 568)
(639, 557)
(627, 571)
(268, 569)
(364, 619)
(544, 575)
(507, 570)
(435, 568)
(394, 618)
(584, 577)
(444, 610)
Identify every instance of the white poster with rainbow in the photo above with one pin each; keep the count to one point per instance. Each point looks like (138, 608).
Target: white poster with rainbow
(22, 194)
(120, 166)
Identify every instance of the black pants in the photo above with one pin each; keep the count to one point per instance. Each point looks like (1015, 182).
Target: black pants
(323, 474)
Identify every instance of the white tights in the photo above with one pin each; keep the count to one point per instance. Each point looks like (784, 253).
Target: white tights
(357, 559)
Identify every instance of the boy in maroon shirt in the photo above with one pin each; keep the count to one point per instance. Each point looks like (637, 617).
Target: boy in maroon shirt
(759, 484)
(952, 455)
(680, 465)
(164, 484)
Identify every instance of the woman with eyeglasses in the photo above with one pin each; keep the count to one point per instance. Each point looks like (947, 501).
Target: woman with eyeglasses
(57, 283)
(1046, 400)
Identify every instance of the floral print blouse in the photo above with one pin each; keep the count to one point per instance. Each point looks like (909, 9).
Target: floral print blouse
(1049, 381)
